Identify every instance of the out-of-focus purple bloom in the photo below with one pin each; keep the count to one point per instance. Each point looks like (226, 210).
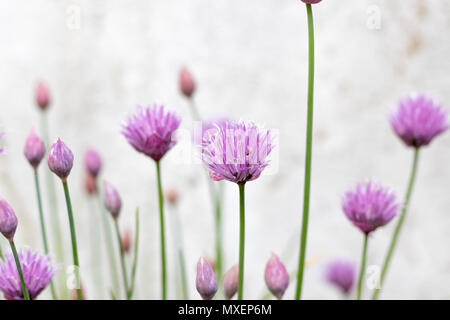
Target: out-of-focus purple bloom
(113, 203)
(206, 281)
(369, 206)
(90, 183)
(93, 162)
(125, 239)
(37, 272)
(231, 282)
(276, 276)
(42, 95)
(60, 159)
(150, 131)
(187, 84)
(236, 151)
(8, 220)
(34, 149)
(341, 274)
(418, 120)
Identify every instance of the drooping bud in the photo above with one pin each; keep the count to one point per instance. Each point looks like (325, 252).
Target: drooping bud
(171, 195)
(8, 220)
(187, 84)
(42, 95)
(230, 282)
(34, 149)
(206, 281)
(60, 159)
(90, 183)
(113, 203)
(125, 239)
(93, 162)
(276, 276)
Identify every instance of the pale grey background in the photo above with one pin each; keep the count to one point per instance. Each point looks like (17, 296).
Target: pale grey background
(249, 58)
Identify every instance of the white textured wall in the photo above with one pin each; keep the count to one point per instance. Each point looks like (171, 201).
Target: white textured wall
(249, 60)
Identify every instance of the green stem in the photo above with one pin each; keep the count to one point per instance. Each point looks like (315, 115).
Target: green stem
(42, 222)
(122, 259)
(73, 238)
(135, 259)
(399, 225)
(26, 295)
(109, 245)
(241, 240)
(363, 266)
(163, 242)
(308, 155)
(1, 253)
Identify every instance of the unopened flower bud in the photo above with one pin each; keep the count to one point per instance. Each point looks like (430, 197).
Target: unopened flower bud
(90, 183)
(187, 84)
(8, 220)
(171, 195)
(206, 281)
(311, 1)
(276, 276)
(60, 159)
(112, 200)
(93, 162)
(34, 149)
(42, 96)
(230, 282)
(125, 239)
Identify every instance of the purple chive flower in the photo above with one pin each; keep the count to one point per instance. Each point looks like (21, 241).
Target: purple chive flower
(42, 95)
(236, 151)
(187, 84)
(113, 203)
(231, 282)
(34, 149)
(206, 281)
(150, 131)
(418, 120)
(92, 162)
(8, 220)
(341, 274)
(276, 276)
(369, 206)
(60, 159)
(311, 1)
(37, 272)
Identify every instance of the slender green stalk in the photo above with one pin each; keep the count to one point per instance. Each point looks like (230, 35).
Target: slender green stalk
(73, 238)
(308, 155)
(42, 222)
(26, 295)
(109, 245)
(412, 179)
(122, 259)
(363, 266)
(135, 259)
(163, 241)
(1, 253)
(241, 240)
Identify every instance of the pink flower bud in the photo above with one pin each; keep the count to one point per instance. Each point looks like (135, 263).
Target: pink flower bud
(125, 239)
(60, 159)
(8, 220)
(230, 282)
(93, 162)
(112, 200)
(187, 84)
(276, 276)
(34, 149)
(206, 281)
(90, 183)
(42, 96)
(171, 195)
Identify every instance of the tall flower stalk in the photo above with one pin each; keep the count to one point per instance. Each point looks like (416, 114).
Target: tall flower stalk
(151, 132)
(60, 162)
(308, 152)
(416, 122)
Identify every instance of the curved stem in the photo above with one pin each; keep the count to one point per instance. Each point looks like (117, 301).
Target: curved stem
(26, 295)
(241, 240)
(42, 222)
(163, 241)
(73, 238)
(308, 155)
(122, 259)
(412, 179)
(363, 266)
